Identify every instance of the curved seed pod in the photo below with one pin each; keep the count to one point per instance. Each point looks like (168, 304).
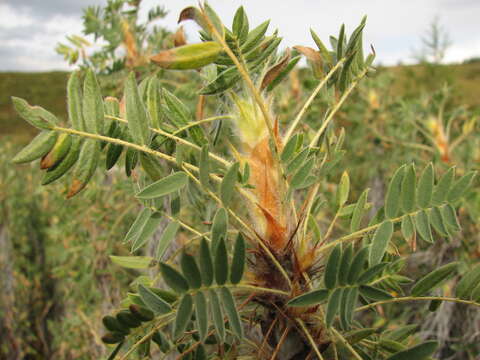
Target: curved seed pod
(70, 159)
(113, 338)
(192, 56)
(112, 324)
(141, 313)
(126, 318)
(58, 152)
(86, 165)
(37, 148)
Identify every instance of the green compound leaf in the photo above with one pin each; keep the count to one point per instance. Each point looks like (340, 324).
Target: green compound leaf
(435, 216)
(147, 231)
(206, 263)
(331, 269)
(184, 314)
(333, 306)
(86, 166)
(370, 274)
(93, 112)
(37, 148)
(422, 224)
(449, 217)
(227, 186)
(219, 227)
(357, 265)
(31, 115)
(468, 282)
(392, 201)
(173, 278)
(137, 117)
(186, 57)
(138, 225)
(425, 187)
(407, 227)
(165, 186)
(153, 301)
(201, 314)
(380, 242)
(461, 186)
(167, 236)
(343, 189)
(443, 187)
(408, 189)
(434, 279)
(419, 352)
(133, 262)
(74, 101)
(204, 166)
(359, 211)
(345, 265)
(221, 263)
(374, 293)
(217, 315)
(231, 310)
(238, 260)
(190, 271)
(311, 298)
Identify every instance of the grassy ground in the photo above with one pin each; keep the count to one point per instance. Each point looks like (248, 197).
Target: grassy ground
(48, 89)
(44, 89)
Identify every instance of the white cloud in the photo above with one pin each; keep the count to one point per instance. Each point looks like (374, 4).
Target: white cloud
(11, 18)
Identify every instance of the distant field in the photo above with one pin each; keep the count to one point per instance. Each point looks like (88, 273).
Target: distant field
(45, 89)
(48, 89)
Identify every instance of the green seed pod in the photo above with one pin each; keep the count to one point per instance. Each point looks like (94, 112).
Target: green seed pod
(58, 152)
(113, 325)
(60, 169)
(192, 56)
(37, 148)
(112, 338)
(141, 313)
(126, 318)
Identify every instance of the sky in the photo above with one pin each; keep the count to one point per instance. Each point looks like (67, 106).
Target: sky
(30, 29)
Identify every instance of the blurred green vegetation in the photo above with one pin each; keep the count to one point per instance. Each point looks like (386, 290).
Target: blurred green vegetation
(409, 81)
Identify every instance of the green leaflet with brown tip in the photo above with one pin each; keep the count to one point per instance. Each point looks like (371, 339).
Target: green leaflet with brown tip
(192, 56)
(58, 152)
(86, 165)
(66, 164)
